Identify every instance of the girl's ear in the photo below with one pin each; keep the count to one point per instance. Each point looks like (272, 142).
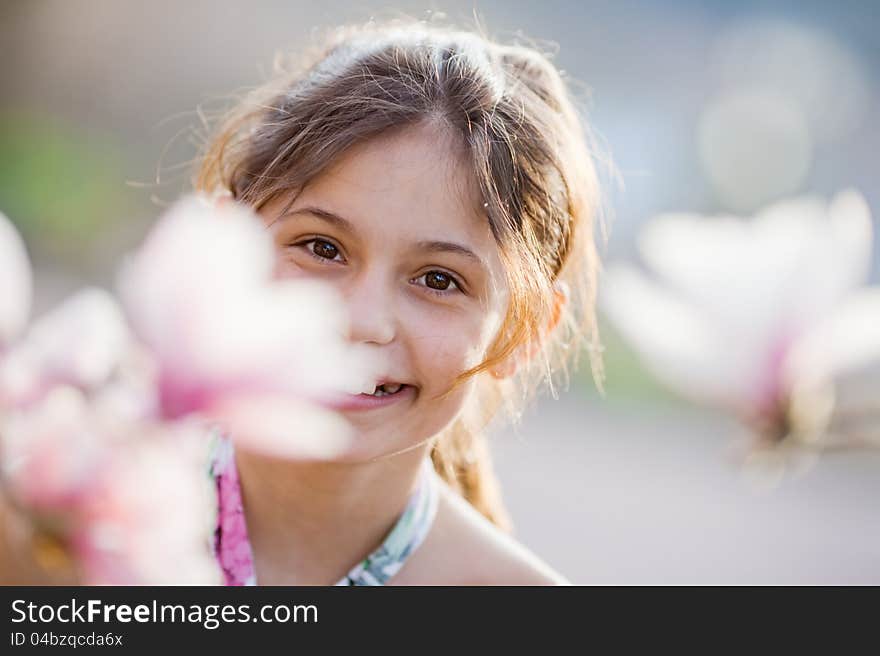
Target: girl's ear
(504, 370)
(560, 301)
(562, 295)
(221, 197)
(509, 367)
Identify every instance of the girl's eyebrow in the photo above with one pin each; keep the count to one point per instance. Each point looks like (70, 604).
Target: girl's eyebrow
(431, 246)
(450, 247)
(326, 215)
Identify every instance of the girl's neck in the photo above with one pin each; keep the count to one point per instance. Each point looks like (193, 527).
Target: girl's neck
(310, 522)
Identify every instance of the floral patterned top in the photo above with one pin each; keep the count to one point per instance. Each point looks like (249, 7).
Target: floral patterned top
(232, 548)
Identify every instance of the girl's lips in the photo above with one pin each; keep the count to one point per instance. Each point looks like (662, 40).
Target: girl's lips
(368, 401)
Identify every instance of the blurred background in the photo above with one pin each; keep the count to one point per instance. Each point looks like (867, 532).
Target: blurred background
(702, 106)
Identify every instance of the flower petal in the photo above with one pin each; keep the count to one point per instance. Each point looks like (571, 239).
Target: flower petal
(200, 294)
(768, 278)
(283, 427)
(682, 347)
(196, 262)
(50, 452)
(79, 343)
(845, 342)
(15, 272)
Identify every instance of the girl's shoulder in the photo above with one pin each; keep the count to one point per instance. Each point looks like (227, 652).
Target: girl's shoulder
(464, 548)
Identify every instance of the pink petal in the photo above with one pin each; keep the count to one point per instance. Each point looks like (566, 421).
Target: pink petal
(283, 427)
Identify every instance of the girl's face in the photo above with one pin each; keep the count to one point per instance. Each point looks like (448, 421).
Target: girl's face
(394, 226)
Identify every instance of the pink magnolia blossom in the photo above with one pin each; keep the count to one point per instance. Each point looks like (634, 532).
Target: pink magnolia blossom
(104, 415)
(50, 452)
(79, 343)
(233, 344)
(149, 519)
(130, 502)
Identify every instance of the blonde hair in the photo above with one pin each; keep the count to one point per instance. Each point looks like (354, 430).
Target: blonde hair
(530, 155)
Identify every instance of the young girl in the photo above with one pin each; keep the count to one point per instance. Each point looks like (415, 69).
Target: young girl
(443, 183)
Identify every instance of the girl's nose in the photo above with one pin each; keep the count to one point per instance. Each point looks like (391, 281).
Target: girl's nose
(371, 310)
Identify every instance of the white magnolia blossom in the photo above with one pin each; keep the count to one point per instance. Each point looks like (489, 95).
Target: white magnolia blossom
(758, 315)
(15, 274)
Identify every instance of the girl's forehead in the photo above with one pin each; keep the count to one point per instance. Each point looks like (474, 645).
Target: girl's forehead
(410, 184)
(417, 166)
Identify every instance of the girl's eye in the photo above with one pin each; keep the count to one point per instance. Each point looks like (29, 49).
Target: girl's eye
(320, 249)
(436, 282)
(440, 283)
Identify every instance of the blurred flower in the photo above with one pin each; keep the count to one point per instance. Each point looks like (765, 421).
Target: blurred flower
(78, 343)
(105, 415)
(834, 375)
(146, 523)
(15, 272)
(738, 311)
(231, 343)
(50, 453)
(123, 505)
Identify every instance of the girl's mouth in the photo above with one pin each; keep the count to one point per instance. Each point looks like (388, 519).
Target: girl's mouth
(384, 395)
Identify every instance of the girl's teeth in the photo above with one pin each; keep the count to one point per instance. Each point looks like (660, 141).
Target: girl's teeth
(385, 390)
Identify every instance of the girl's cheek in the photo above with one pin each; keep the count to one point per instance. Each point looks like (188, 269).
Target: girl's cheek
(455, 350)
(281, 269)
(286, 269)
